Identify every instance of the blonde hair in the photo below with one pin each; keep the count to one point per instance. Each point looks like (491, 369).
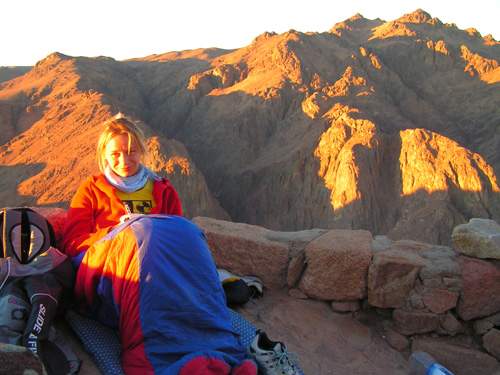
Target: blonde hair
(119, 125)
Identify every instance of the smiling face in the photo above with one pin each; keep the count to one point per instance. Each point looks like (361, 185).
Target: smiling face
(123, 155)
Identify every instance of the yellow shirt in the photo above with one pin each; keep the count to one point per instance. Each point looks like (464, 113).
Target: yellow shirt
(140, 201)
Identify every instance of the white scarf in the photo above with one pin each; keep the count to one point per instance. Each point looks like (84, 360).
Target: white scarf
(131, 183)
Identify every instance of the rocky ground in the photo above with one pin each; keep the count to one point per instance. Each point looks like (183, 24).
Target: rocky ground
(325, 342)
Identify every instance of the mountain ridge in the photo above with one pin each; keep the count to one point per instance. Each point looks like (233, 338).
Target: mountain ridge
(290, 132)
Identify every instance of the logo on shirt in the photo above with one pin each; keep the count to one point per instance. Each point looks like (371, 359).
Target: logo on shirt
(139, 207)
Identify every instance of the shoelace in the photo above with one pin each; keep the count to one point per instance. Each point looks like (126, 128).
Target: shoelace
(286, 362)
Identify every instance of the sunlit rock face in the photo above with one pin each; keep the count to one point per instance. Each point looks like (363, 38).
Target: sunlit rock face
(54, 116)
(385, 126)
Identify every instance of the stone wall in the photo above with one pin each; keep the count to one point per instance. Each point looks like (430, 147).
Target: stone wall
(443, 300)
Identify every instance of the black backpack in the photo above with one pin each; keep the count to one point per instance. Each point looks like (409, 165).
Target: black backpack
(34, 297)
(25, 234)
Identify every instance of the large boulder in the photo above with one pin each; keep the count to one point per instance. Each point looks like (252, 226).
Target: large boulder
(479, 238)
(392, 276)
(297, 242)
(480, 295)
(337, 264)
(246, 250)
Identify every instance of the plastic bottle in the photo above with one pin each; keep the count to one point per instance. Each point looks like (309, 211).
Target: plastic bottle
(422, 363)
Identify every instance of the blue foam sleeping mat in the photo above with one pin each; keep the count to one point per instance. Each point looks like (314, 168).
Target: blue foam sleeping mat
(103, 343)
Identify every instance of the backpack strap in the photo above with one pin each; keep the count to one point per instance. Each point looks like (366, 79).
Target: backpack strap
(25, 236)
(3, 242)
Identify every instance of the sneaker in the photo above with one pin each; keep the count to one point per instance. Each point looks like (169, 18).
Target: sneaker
(255, 284)
(239, 289)
(272, 357)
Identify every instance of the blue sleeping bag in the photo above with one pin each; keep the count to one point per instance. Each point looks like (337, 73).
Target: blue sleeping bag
(154, 279)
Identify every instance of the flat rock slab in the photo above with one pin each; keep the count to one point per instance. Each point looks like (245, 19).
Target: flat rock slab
(481, 283)
(479, 238)
(337, 265)
(392, 276)
(325, 342)
(246, 250)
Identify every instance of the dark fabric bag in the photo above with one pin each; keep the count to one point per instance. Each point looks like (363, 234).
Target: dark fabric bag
(34, 276)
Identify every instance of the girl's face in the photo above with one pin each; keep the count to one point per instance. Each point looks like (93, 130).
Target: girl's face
(123, 155)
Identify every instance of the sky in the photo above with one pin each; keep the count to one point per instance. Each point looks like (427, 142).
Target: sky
(32, 29)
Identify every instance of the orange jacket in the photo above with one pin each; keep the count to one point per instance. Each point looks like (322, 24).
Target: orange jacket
(96, 208)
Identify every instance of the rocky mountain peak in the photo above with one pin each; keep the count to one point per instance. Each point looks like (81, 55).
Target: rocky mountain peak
(418, 16)
(472, 32)
(264, 36)
(356, 17)
(490, 41)
(349, 24)
(356, 28)
(53, 58)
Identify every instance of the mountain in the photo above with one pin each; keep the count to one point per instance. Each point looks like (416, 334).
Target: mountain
(9, 72)
(387, 126)
(49, 115)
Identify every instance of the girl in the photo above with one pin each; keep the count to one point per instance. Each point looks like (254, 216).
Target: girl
(150, 276)
(124, 186)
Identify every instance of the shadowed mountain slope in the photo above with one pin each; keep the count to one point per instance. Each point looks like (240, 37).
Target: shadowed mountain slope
(9, 72)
